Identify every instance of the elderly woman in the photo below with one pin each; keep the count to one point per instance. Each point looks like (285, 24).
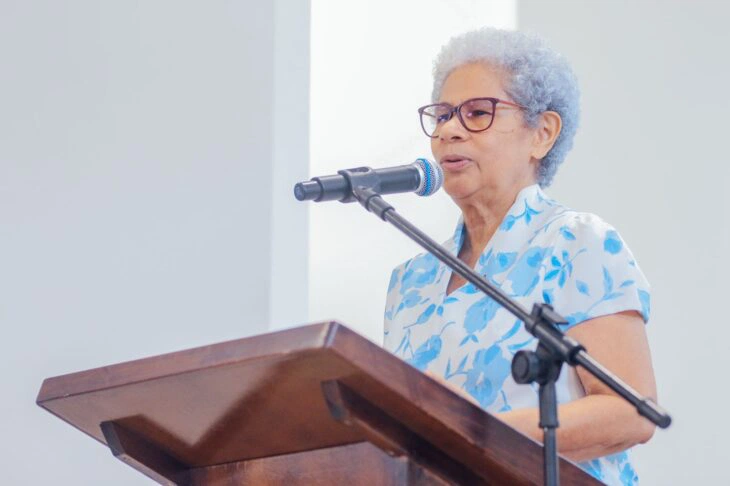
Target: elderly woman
(503, 116)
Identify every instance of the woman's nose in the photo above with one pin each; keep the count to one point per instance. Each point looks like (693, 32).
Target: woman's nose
(452, 129)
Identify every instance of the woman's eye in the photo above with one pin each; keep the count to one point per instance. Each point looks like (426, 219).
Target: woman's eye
(478, 113)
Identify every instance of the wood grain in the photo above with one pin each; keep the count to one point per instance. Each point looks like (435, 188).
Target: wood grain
(235, 407)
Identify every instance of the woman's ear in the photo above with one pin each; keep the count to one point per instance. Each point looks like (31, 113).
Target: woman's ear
(546, 132)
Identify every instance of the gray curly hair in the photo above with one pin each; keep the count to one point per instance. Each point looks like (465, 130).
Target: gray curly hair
(540, 80)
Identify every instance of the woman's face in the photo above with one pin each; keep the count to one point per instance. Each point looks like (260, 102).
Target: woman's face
(489, 162)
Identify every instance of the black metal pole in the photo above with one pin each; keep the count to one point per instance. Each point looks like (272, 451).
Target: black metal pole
(549, 424)
(550, 464)
(551, 336)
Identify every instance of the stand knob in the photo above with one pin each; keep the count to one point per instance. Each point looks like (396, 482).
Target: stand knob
(526, 367)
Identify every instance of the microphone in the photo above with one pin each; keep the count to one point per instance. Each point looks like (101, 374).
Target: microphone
(423, 177)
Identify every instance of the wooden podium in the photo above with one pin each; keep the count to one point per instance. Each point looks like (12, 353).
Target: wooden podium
(314, 405)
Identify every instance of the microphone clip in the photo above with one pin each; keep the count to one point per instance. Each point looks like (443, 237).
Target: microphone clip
(359, 178)
(365, 189)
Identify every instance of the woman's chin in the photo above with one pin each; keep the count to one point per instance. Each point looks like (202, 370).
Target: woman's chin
(459, 189)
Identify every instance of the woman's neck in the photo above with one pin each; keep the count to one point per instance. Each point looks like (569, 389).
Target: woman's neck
(483, 214)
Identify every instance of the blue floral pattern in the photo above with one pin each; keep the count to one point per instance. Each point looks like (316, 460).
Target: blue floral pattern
(541, 252)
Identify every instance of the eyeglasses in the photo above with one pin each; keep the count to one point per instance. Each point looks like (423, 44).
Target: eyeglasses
(475, 114)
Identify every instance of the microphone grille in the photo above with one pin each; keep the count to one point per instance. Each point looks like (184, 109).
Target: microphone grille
(432, 177)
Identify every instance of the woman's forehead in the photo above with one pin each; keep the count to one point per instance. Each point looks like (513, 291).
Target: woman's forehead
(473, 80)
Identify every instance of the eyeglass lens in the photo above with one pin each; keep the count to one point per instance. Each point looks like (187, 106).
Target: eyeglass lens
(476, 115)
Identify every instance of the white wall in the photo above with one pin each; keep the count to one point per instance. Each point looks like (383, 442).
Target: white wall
(289, 293)
(371, 70)
(651, 158)
(140, 197)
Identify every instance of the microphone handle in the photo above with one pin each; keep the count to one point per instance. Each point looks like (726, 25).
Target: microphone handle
(325, 188)
(406, 178)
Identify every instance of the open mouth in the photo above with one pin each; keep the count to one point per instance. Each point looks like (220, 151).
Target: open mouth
(453, 158)
(454, 162)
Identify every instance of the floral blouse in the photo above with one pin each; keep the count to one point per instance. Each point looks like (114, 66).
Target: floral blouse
(541, 252)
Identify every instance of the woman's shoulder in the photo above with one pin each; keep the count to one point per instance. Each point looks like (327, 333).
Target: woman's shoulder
(418, 271)
(571, 227)
(424, 258)
(589, 270)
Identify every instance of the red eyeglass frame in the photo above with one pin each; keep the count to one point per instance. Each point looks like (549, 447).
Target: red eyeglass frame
(457, 110)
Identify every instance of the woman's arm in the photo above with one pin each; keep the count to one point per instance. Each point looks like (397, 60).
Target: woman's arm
(601, 423)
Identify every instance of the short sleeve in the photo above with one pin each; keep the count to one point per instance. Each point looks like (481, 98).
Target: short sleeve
(391, 301)
(592, 273)
(406, 288)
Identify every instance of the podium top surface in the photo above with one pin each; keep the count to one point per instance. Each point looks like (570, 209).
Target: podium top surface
(262, 396)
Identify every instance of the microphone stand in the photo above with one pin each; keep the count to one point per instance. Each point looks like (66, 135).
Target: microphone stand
(554, 348)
